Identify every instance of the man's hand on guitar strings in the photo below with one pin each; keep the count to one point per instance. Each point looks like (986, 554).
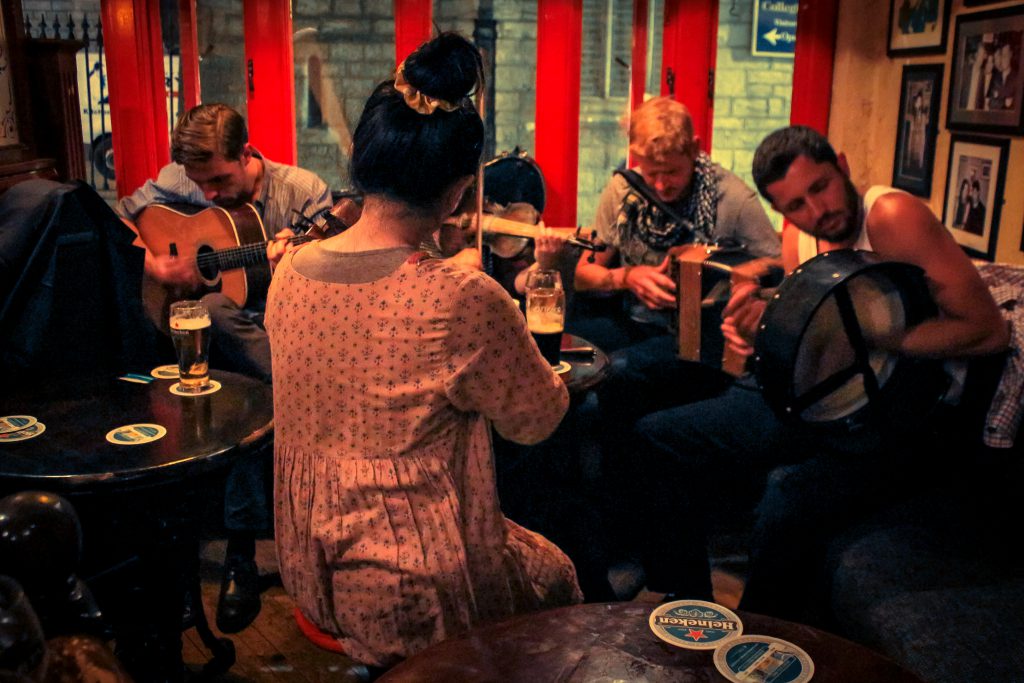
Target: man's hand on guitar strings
(172, 271)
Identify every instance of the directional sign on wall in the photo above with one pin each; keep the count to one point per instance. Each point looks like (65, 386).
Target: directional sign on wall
(774, 30)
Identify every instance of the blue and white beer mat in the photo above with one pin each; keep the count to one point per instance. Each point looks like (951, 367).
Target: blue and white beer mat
(695, 624)
(135, 434)
(15, 423)
(763, 658)
(19, 428)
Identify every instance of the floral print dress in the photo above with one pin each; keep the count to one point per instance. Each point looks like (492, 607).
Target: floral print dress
(389, 371)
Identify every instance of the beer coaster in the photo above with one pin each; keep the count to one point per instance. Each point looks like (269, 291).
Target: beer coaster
(133, 435)
(136, 379)
(763, 658)
(15, 423)
(562, 368)
(694, 624)
(166, 372)
(25, 434)
(213, 387)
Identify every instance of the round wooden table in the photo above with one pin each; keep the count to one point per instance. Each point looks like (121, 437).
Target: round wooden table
(612, 642)
(141, 505)
(73, 455)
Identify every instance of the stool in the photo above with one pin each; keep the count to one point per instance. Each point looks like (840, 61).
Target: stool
(324, 641)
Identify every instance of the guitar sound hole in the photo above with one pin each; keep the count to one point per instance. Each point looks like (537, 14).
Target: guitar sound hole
(206, 261)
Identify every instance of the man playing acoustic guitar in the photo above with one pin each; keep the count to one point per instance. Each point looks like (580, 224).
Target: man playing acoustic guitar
(214, 165)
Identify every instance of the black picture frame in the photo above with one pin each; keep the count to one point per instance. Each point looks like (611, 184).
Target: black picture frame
(986, 82)
(917, 27)
(982, 161)
(917, 128)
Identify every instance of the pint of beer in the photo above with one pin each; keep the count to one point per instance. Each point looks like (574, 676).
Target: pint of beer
(545, 312)
(190, 331)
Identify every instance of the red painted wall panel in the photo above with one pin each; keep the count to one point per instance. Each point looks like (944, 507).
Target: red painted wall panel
(270, 78)
(559, 33)
(138, 103)
(412, 26)
(689, 50)
(813, 63)
(189, 53)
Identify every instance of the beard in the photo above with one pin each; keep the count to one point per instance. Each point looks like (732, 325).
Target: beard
(847, 221)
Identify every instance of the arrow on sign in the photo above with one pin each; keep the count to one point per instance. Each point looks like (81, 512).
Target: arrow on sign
(774, 36)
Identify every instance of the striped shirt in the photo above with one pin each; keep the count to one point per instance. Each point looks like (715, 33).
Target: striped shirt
(284, 189)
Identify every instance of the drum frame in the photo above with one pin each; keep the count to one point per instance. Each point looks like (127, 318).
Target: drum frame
(915, 386)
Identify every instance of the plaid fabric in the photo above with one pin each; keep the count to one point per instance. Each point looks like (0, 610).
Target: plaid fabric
(1006, 283)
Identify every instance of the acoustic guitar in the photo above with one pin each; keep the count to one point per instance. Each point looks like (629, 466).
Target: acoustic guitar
(228, 247)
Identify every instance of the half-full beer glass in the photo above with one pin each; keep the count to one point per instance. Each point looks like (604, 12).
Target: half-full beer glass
(190, 330)
(545, 312)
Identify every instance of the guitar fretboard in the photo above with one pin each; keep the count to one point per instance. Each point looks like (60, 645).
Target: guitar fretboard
(241, 256)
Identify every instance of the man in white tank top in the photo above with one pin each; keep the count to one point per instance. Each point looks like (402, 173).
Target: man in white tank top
(721, 444)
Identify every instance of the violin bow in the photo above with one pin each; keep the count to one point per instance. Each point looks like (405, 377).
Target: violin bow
(480, 178)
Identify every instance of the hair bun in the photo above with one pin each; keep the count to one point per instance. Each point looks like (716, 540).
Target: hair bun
(448, 67)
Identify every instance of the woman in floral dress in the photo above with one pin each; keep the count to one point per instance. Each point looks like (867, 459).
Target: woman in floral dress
(389, 371)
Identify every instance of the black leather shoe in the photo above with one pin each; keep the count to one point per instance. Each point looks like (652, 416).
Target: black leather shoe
(239, 601)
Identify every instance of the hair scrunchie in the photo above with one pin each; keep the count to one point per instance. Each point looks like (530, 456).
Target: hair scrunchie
(417, 101)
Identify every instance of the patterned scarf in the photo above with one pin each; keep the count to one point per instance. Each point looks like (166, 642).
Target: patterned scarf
(659, 227)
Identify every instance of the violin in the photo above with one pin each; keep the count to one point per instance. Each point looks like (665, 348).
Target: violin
(508, 236)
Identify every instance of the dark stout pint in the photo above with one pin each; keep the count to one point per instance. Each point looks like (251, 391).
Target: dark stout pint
(190, 332)
(545, 317)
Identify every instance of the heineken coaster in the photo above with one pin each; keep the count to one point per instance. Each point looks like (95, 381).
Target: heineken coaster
(15, 423)
(23, 434)
(694, 624)
(133, 435)
(562, 368)
(763, 658)
(212, 387)
(166, 372)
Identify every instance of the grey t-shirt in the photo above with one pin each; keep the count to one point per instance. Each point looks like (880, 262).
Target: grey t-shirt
(739, 216)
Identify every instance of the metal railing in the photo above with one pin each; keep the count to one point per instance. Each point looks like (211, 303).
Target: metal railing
(94, 101)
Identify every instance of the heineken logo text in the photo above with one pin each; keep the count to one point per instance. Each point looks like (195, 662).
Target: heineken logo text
(688, 622)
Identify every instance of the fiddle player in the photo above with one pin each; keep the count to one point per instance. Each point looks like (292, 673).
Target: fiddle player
(825, 484)
(215, 165)
(389, 371)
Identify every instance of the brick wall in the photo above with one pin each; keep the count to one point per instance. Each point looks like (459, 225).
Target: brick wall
(752, 94)
(351, 44)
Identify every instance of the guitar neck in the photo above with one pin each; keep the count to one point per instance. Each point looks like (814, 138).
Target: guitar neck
(244, 255)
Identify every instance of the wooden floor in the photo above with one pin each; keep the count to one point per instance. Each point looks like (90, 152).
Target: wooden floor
(273, 648)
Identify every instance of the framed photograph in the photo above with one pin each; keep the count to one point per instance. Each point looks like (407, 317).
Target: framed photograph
(974, 192)
(918, 27)
(986, 83)
(916, 128)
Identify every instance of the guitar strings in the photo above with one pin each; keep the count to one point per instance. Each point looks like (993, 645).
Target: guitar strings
(246, 254)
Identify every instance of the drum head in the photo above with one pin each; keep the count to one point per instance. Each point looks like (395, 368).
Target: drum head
(514, 177)
(819, 356)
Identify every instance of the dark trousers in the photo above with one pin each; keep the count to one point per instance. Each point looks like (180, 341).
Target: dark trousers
(240, 344)
(813, 483)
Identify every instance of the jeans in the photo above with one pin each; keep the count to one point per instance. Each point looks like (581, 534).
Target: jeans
(694, 460)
